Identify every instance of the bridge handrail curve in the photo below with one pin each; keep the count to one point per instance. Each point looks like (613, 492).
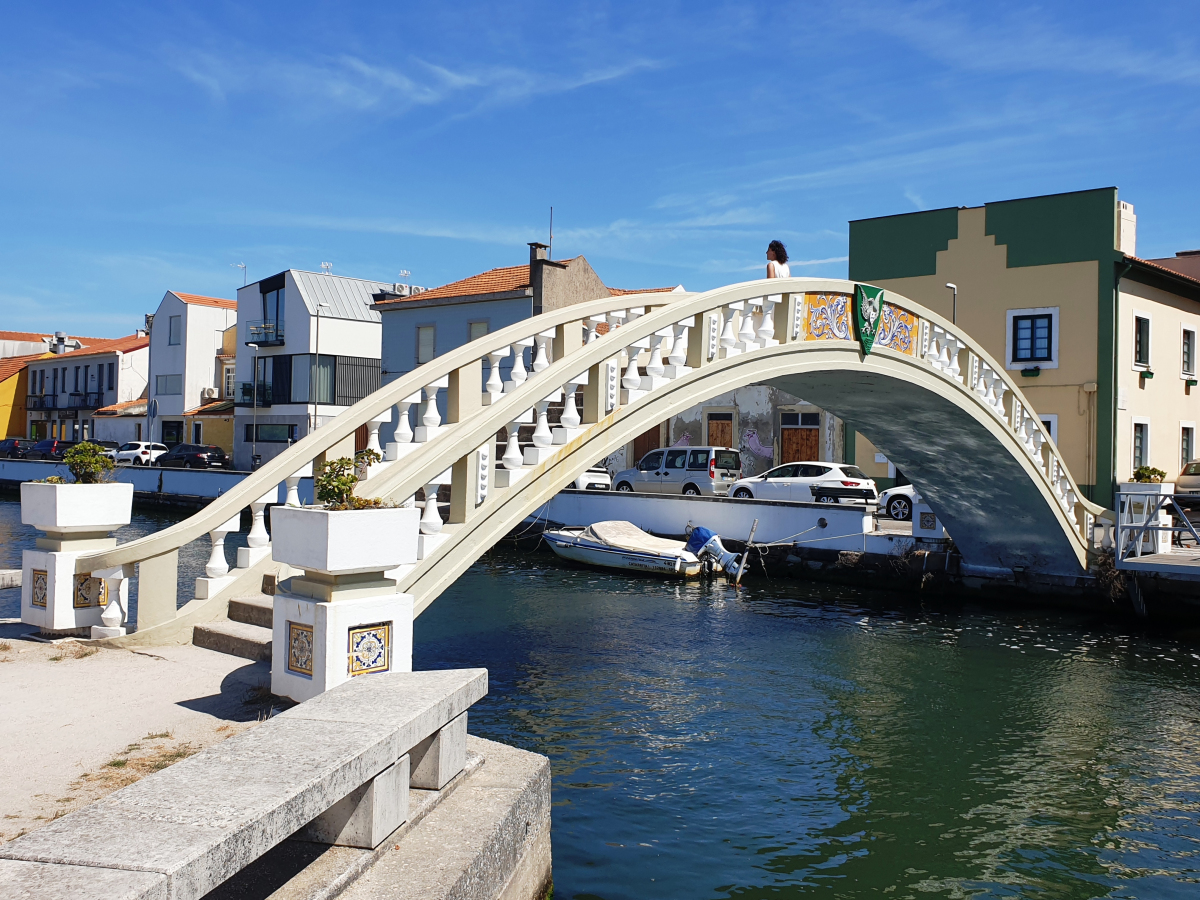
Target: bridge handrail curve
(664, 310)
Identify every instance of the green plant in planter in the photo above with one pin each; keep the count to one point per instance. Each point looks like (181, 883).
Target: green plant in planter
(88, 465)
(1148, 475)
(335, 481)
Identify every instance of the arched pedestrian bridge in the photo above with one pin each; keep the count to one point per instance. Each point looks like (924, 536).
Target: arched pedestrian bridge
(931, 399)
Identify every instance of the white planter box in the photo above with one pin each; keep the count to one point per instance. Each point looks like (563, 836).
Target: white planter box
(75, 508)
(344, 542)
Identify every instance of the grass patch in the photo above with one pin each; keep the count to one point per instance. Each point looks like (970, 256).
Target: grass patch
(5, 646)
(73, 650)
(117, 763)
(160, 735)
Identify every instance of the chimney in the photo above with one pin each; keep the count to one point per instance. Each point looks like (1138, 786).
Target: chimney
(537, 256)
(60, 342)
(1127, 232)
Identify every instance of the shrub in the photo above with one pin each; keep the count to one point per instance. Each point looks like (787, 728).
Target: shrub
(335, 481)
(87, 463)
(1148, 475)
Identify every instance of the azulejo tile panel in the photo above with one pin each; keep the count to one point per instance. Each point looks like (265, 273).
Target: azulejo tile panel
(370, 648)
(897, 330)
(300, 649)
(90, 592)
(826, 317)
(41, 588)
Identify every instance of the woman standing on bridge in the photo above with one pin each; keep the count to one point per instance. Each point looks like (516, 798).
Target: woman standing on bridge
(777, 258)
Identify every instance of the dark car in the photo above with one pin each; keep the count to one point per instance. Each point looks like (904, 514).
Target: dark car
(14, 448)
(51, 448)
(194, 456)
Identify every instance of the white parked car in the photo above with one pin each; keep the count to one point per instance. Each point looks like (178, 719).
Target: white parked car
(897, 502)
(1188, 481)
(823, 482)
(139, 453)
(594, 479)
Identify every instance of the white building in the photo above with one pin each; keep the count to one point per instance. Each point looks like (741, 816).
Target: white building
(66, 390)
(186, 334)
(308, 348)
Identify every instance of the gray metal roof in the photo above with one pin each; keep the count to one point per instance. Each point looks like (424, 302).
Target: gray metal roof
(348, 298)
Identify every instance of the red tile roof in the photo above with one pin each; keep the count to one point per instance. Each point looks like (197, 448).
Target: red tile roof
(621, 292)
(213, 408)
(199, 300)
(495, 281)
(118, 409)
(12, 365)
(34, 336)
(125, 344)
(1161, 268)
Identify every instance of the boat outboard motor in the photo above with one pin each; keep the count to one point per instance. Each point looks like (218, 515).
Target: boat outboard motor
(703, 542)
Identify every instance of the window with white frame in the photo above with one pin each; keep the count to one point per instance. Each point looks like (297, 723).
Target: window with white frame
(425, 339)
(1032, 338)
(1141, 341)
(1141, 444)
(1187, 352)
(1187, 442)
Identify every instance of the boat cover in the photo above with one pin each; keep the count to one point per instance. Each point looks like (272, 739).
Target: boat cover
(627, 536)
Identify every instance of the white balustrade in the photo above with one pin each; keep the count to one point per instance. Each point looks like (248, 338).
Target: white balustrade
(632, 380)
(512, 458)
(592, 333)
(545, 351)
(217, 564)
(541, 432)
(766, 327)
(258, 537)
(570, 417)
(293, 484)
(679, 346)
(747, 339)
(654, 366)
(728, 337)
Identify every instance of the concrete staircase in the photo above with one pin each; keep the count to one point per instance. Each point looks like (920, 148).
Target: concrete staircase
(246, 633)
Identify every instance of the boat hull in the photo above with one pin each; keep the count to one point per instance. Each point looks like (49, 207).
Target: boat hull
(616, 558)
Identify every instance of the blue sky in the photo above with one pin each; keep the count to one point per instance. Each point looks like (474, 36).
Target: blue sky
(147, 147)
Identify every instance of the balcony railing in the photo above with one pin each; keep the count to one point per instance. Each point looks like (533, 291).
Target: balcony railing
(264, 332)
(245, 394)
(40, 401)
(85, 400)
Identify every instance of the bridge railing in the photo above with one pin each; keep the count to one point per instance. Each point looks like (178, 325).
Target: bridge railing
(617, 352)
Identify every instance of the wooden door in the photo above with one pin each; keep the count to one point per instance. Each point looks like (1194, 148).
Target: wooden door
(644, 443)
(720, 430)
(799, 444)
(361, 435)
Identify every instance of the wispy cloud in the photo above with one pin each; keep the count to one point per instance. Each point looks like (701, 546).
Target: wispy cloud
(347, 82)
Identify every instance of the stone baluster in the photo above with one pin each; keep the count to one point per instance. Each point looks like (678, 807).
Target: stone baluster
(570, 417)
(495, 384)
(746, 333)
(679, 346)
(728, 338)
(541, 362)
(542, 436)
(592, 323)
(373, 435)
(430, 416)
(217, 565)
(512, 458)
(258, 537)
(766, 328)
(999, 389)
(293, 484)
(401, 440)
(632, 380)
(1106, 541)
(116, 607)
(431, 519)
(654, 367)
(954, 369)
(517, 375)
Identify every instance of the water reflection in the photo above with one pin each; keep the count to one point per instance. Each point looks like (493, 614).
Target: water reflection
(793, 739)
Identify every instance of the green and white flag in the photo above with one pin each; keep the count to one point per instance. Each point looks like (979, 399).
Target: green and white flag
(868, 310)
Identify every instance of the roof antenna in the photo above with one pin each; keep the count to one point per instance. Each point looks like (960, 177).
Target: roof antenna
(405, 274)
(241, 266)
(550, 249)
(327, 268)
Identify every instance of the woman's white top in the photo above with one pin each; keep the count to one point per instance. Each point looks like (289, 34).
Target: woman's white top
(778, 269)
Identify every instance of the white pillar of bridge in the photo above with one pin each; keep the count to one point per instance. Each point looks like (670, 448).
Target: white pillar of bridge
(258, 541)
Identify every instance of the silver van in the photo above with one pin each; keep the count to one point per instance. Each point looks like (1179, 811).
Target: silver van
(694, 471)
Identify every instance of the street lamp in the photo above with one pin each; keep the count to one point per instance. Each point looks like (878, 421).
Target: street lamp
(954, 301)
(254, 425)
(314, 394)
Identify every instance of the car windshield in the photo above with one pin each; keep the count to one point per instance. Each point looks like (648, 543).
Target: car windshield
(44, 445)
(1192, 468)
(728, 459)
(854, 472)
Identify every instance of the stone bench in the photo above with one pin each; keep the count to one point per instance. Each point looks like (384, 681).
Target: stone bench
(338, 766)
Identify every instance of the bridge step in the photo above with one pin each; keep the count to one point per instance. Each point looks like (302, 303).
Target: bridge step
(252, 610)
(235, 638)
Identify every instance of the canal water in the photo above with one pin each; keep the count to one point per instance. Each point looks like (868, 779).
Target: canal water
(787, 739)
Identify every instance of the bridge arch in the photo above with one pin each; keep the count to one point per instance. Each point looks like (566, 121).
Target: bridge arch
(936, 403)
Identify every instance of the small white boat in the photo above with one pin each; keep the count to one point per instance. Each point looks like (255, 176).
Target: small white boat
(622, 545)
